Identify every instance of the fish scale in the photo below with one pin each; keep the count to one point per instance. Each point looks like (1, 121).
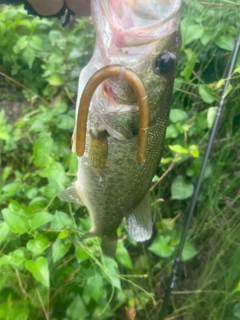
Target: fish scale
(110, 181)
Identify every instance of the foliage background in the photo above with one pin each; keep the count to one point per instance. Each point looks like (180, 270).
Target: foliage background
(46, 271)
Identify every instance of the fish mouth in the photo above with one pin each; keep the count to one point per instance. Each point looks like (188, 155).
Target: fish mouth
(137, 22)
(134, 81)
(114, 98)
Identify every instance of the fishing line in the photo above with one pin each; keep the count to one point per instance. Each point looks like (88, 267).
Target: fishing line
(176, 261)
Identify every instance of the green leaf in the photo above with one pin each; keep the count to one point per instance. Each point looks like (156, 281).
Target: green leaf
(167, 160)
(55, 174)
(16, 221)
(236, 70)
(18, 312)
(81, 254)
(193, 149)
(236, 310)
(211, 116)
(207, 37)
(39, 269)
(4, 134)
(36, 43)
(225, 42)
(2, 29)
(20, 220)
(229, 89)
(190, 31)
(141, 264)
(4, 231)
(42, 150)
(181, 189)
(60, 248)
(177, 148)
(171, 132)
(38, 204)
(177, 115)
(207, 94)
(123, 256)
(195, 166)
(39, 219)
(4, 311)
(15, 258)
(11, 188)
(31, 192)
(201, 121)
(77, 309)
(188, 251)
(94, 286)
(28, 56)
(55, 79)
(38, 245)
(63, 234)
(65, 122)
(237, 289)
(161, 246)
(112, 271)
(60, 221)
(21, 44)
(192, 60)
(6, 173)
(54, 36)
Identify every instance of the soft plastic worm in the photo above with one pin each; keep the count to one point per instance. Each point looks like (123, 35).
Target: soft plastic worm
(133, 80)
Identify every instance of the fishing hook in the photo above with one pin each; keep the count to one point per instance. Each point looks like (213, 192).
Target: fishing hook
(176, 261)
(133, 80)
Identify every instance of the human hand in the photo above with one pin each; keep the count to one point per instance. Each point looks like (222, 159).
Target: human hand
(52, 7)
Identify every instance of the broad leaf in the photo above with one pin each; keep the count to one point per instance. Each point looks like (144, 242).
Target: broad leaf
(39, 269)
(59, 249)
(188, 251)
(207, 94)
(181, 189)
(38, 245)
(161, 246)
(112, 271)
(123, 256)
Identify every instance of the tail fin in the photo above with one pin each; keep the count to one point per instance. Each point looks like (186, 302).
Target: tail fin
(109, 245)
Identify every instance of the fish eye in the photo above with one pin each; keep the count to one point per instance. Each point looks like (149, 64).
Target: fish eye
(164, 63)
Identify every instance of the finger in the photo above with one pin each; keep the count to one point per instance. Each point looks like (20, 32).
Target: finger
(46, 7)
(79, 7)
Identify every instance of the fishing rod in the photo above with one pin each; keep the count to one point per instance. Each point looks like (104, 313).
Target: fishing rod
(176, 260)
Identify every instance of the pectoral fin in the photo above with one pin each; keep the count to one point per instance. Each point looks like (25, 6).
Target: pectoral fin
(139, 221)
(98, 150)
(71, 194)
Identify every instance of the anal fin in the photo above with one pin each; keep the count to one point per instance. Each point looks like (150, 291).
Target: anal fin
(71, 194)
(139, 221)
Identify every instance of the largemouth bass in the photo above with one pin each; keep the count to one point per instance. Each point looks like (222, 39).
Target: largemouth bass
(142, 36)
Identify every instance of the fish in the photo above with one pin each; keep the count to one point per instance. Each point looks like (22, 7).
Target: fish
(139, 40)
